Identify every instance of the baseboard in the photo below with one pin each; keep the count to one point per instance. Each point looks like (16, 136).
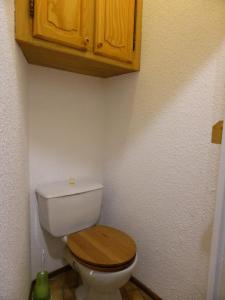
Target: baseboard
(138, 283)
(59, 271)
(31, 289)
(145, 289)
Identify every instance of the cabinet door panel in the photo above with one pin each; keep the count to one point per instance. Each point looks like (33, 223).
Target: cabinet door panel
(114, 30)
(66, 22)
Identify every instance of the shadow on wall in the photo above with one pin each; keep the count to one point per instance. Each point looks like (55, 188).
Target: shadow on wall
(180, 38)
(159, 156)
(66, 123)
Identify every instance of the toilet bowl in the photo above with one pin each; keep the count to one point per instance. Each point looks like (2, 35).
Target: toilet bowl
(104, 256)
(98, 285)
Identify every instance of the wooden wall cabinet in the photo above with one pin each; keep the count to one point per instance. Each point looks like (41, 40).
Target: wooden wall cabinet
(93, 37)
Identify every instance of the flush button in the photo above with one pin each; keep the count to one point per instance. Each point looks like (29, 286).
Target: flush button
(72, 181)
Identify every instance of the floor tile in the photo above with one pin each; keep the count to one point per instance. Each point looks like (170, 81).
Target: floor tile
(63, 288)
(71, 279)
(57, 294)
(131, 294)
(130, 286)
(57, 282)
(69, 294)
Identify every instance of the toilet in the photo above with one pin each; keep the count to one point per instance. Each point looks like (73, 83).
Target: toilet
(103, 256)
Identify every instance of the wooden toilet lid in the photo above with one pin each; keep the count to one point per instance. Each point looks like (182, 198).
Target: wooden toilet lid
(102, 246)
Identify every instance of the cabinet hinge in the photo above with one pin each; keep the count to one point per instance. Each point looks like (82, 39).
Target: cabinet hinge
(31, 8)
(135, 25)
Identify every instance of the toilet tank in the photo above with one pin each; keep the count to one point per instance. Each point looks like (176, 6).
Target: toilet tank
(66, 208)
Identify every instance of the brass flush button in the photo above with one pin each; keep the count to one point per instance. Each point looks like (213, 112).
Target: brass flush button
(217, 133)
(72, 181)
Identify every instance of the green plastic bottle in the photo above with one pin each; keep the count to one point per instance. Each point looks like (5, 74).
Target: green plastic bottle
(42, 288)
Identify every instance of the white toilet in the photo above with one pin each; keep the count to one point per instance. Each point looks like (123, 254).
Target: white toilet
(104, 256)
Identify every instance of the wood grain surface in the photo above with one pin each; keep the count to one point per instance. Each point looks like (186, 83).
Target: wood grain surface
(102, 246)
(50, 39)
(114, 29)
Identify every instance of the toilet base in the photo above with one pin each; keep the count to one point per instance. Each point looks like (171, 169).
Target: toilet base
(100, 285)
(85, 293)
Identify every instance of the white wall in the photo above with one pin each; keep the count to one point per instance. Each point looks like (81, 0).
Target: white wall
(66, 125)
(14, 210)
(160, 167)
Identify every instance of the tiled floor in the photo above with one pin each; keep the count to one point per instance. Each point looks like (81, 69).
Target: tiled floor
(63, 288)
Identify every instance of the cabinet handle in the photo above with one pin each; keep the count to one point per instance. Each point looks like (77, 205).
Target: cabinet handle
(86, 41)
(100, 45)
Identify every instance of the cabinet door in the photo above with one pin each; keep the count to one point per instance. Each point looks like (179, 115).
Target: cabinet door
(66, 22)
(114, 30)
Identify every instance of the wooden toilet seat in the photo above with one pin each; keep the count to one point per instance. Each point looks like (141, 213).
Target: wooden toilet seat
(103, 248)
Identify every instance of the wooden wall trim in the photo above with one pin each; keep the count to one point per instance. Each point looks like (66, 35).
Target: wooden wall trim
(145, 289)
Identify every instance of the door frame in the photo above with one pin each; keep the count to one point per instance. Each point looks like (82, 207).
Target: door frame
(218, 237)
